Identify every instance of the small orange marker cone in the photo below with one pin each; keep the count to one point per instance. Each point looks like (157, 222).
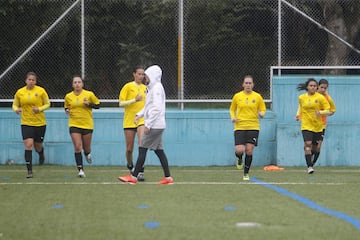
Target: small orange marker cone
(273, 168)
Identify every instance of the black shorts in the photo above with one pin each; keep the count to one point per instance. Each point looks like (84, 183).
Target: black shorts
(36, 133)
(314, 137)
(246, 136)
(134, 128)
(82, 131)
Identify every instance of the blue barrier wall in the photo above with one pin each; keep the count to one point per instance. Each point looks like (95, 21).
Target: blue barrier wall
(342, 134)
(205, 137)
(192, 138)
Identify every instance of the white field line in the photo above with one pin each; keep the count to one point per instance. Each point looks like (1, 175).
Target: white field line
(155, 183)
(92, 169)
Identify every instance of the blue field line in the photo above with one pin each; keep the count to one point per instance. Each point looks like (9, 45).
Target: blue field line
(354, 221)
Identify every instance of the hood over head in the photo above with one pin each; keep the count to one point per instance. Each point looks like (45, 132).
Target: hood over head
(154, 74)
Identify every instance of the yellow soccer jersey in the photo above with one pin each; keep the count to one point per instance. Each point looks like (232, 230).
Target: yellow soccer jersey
(308, 105)
(129, 92)
(27, 99)
(80, 114)
(245, 108)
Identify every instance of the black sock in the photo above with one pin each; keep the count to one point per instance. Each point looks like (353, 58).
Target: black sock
(41, 156)
(239, 156)
(28, 160)
(130, 167)
(41, 152)
(316, 156)
(140, 161)
(313, 152)
(308, 160)
(248, 160)
(164, 162)
(79, 161)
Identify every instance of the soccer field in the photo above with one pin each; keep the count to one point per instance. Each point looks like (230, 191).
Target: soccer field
(204, 203)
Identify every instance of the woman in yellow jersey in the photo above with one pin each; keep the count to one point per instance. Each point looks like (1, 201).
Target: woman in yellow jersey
(78, 106)
(246, 108)
(132, 98)
(30, 102)
(312, 106)
(323, 86)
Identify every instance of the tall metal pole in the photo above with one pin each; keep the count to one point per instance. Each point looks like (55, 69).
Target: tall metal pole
(279, 36)
(82, 39)
(180, 55)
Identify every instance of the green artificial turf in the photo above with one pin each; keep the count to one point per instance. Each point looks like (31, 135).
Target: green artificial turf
(204, 203)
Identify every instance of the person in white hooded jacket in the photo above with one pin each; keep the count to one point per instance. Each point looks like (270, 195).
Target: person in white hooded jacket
(155, 124)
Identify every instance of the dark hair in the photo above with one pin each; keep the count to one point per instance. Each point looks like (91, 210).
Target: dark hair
(303, 86)
(247, 76)
(77, 75)
(31, 74)
(323, 81)
(138, 67)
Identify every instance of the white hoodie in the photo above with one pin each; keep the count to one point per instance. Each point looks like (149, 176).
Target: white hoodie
(154, 109)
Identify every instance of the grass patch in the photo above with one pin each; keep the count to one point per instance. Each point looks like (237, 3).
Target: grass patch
(204, 203)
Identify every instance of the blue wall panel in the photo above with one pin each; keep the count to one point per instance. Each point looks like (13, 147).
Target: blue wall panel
(342, 134)
(192, 138)
(205, 137)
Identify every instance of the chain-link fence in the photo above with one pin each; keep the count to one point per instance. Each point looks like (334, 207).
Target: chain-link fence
(217, 42)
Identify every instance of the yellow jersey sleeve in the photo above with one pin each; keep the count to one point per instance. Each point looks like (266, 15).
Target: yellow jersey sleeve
(129, 92)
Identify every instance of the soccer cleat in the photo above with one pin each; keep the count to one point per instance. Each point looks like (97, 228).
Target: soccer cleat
(239, 164)
(88, 158)
(128, 179)
(81, 173)
(141, 177)
(166, 180)
(29, 175)
(246, 177)
(310, 170)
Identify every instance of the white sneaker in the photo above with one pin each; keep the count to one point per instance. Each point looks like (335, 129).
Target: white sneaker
(88, 158)
(310, 170)
(81, 173)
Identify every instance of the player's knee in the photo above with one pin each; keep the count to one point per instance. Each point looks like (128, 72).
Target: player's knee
(307, 148)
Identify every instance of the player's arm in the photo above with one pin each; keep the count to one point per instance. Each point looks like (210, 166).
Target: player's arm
(123, 96)
(232, 110)
(332, 106)
(325, 110)
(262, 108)
(46, 102)
(67, 105)
(126, 103)
(16, 105)
(298, 112)
(155, 108)
(94, 102)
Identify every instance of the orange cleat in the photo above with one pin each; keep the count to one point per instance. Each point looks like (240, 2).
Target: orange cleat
(166, 180)
(128, 179)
